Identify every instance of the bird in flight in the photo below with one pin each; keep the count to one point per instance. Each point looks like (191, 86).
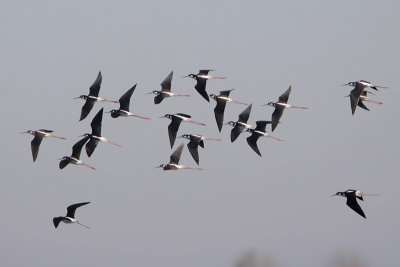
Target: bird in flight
(70, 217)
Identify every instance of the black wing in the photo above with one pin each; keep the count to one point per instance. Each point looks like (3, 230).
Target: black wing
(225, 93)
(236, 131)
(244, 116)
(63, 163)
(219, 113)
(175, 157)
(159, 98)
(96, 123)
(95, 88)
(46, 131)
(35, 144)
(261, 125)
(173, 129)
(276, 115)
(76, 149)
(71, 209)
(91, 145)
(87, 107)
(193, 149)
(56, 221)
(204, 72)
(125, 99)
(361, 104)
(285, 96)
(252, 141)
(201, 88)
(355, 96)
(352, 203)
(166, 84)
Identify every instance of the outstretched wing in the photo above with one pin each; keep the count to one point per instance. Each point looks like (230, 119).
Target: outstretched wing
(193, 149)
(35, 144)
(244, 116)
(252, 141)
(352, 203)
(91, 145)
(125, 99)
(95, 88)
(96, 123)
(166, 84)
(71, 209)
(56, 221)
(276, 116)
(175, 157)
(173, 129)
(201, 88)
(285, 96)
(86, 108)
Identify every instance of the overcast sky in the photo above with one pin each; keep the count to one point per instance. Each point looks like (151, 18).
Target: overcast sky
(277, 205)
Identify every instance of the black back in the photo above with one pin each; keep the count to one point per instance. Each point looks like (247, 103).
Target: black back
(125, 99)
(37, 140)
(166, 84)
(173, 129)
(71, 209)
(205, 72)
(175, 157)
(95, 88)
(77, 148)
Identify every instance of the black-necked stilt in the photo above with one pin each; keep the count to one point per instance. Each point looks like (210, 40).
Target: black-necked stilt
(352, 196)
(39, 135)
(364, 97)
(70, 217)
(76, 153)
(366, 84)
(95, 137)
(92, 97)
(257, 133)
(195, 141)
(165, 90)
(219, 109)
(241, 124)
(280, 107)
(174, 161)
(355, 95)
(201, 79)
(124, 103)
(176, 120)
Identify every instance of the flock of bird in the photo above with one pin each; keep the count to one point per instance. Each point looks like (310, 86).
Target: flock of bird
(357, 96)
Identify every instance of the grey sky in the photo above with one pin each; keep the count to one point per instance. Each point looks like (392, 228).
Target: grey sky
(278, 205)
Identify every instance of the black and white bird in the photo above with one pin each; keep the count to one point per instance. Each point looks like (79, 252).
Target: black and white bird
(258, 132)
(241, 124)
(355, 95)
(165, 90)
(196, 140)
(280, 106)
(201, 79)
(366, 84)
(174, 161)
(92, 97)
(124, 103)
(70, 217)
(37, 140)
(76, 153)
(176, 120)
(219, 109)
(95, 137)
(352, 196)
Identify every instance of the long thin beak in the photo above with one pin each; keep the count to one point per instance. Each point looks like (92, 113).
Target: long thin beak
(149, 93)
(108, 111)
(157, 167)
(344, 84)
(333, 195)
(264, 105)
(162, 117)
(60, 159)
(185, 76)
(77, 97)
(23, 132)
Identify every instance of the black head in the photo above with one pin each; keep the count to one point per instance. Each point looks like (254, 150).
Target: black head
(271, 104)
(231, 123)
(168, 116)
(83, 97)
(350, 84)
(156, 92)
(87, 135)
(213, 96)
(194, 76)
(339, 194)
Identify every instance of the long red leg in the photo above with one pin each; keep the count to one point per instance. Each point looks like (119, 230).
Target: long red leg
(195, 122)
(84, 164)
(137, 116)
(84, 225)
